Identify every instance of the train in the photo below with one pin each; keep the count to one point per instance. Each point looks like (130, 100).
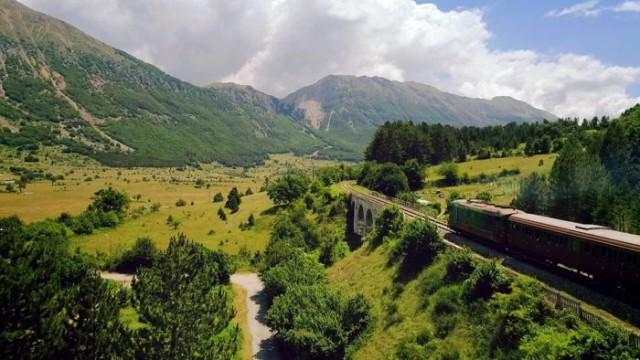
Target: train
(604, 255)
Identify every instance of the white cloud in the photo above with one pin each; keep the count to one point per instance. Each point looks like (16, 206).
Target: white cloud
(585, 8)
(280, 45)
(628, 6)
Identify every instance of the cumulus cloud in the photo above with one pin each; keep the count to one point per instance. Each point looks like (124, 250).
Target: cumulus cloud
(280, 45)
(628, 6)
(586, 8)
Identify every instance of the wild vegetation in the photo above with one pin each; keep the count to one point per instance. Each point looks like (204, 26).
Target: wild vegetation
(434, 302)
(594, 180)
(56, 306)
(311, 320)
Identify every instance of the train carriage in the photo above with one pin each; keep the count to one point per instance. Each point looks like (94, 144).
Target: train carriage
(609, 256)
(480, 219)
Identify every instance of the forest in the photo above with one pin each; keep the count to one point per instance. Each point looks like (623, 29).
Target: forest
(595, 178)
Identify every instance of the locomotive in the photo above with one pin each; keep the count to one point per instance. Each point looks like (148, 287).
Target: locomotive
(602, 254)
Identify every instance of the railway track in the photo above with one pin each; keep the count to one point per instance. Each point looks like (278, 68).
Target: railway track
(560, 290)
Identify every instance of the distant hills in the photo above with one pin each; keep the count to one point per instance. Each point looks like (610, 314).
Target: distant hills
(345, 110)
(60, 86)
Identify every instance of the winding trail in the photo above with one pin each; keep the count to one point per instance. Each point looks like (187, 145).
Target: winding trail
(262, 341)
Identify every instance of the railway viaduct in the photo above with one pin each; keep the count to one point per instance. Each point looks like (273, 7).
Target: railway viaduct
(364, 214)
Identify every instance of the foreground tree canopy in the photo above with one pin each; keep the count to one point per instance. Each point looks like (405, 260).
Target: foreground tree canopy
(54, 305)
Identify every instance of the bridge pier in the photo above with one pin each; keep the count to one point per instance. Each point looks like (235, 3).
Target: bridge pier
(364, 215)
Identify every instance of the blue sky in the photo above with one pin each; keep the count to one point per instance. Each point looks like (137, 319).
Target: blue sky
(610, 36)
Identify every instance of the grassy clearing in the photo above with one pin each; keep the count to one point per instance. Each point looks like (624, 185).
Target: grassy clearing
(131, 319)
(83, 177)
(503, 190)
(240, 305)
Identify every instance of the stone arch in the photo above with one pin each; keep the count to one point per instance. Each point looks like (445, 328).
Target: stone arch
(369, 221)
(360, 213)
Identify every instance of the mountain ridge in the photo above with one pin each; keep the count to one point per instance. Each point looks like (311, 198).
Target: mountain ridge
(345, 110)
(61, 86)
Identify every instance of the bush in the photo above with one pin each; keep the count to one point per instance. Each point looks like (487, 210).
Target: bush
(316, 322)
(181, 203)
(388, 223)
(386, 178)
(287, 189)
(460, 264)
(408, 196)
(142, 254)
(449, 172)
(222, 215)
(110, 200)
(419, 244)
(484, 196)
(486, 280)
(218, 197)
(298, 270)
(83, 224)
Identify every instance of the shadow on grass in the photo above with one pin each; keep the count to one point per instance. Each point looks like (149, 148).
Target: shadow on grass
(272, 210)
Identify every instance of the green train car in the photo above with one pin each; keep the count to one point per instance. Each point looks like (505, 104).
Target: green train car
(479, 219)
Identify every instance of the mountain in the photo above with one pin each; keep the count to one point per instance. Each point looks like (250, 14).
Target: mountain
(60, 86)
(345, 110)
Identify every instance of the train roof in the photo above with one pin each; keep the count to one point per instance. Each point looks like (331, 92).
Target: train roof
(596, 233)
(486, 207)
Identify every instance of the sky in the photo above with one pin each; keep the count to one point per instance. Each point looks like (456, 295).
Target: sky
(573, 58)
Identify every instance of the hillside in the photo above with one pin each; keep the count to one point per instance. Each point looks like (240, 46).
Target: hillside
(58, 85)
(345, 110)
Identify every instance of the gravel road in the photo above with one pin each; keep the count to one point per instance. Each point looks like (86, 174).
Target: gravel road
(262, 342)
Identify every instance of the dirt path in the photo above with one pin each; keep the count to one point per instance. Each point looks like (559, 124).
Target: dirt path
(123, 279)
(262, 341)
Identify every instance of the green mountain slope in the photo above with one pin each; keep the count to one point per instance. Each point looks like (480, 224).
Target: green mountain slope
(59, 86)
(345, 110)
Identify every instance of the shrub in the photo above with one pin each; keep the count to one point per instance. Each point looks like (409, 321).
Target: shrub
(445, 307)
(484, 196)
(218, 197)
(386, 178)
(248, 192)
(181, 203)
(408, 196)
(155, 207)
(222, 215)
(419, 244)
(83, 224)
(388, 223)
(449, 172)
(142, 254)
(485, 280)
(316, 322)
(298, 270)
(460, 264)
(416, 347)
(107, 200)
(287, 189)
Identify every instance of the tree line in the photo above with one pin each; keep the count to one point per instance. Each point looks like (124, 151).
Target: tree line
(398, 142)
(595, 179)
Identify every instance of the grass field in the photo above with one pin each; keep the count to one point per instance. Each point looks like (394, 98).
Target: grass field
(502, 190)
(198, 220)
